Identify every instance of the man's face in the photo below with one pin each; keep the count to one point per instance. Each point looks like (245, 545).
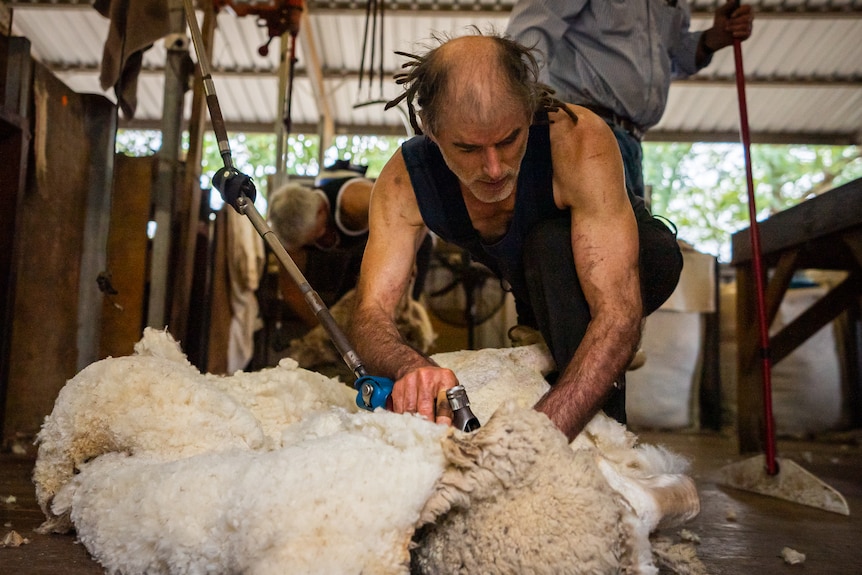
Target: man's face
(486, 157)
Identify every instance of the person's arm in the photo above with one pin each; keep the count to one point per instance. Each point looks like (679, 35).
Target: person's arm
(396, 231)
(292, 295)
(731, 22)
(605, 250)
(541, 24)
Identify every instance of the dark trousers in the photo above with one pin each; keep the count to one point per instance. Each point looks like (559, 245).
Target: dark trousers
(633, 158)
(557, 303)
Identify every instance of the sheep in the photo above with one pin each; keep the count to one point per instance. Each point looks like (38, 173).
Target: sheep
(314, 350)
(280, 472)
(625, 490)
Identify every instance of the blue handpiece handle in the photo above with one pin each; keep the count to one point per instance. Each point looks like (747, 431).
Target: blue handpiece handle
(372, 392)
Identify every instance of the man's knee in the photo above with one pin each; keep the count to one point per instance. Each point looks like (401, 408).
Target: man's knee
(660, 263)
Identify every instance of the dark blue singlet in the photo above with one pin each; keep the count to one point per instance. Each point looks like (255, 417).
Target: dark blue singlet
(442, 206)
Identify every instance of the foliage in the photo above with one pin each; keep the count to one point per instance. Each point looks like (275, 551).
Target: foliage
(138, 143)
(700, 187)
(370, 151)
(255, 154)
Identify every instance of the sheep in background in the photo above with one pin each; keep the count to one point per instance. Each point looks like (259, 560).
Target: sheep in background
(253, 485)
(493, 376)
(315, 351)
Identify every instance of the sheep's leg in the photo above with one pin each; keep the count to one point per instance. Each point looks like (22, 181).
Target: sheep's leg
(659, 500)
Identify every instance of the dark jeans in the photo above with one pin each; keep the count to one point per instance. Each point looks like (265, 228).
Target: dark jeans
(633, 158)
(423, 262)
(558, 304)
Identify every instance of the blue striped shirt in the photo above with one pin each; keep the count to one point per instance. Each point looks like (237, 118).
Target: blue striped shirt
(618, 54)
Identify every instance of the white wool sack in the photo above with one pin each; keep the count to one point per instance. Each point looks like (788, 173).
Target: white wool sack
(662, 393)
(807, 392)
(345, 501)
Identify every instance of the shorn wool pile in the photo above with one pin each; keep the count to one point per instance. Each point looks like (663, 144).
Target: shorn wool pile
(161, 469)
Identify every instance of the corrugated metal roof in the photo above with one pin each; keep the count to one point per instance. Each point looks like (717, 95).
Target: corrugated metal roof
(803, 67)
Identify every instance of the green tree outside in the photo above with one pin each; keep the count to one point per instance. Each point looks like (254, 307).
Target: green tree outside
(700, 187)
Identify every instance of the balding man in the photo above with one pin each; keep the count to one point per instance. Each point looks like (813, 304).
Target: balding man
(534, 189)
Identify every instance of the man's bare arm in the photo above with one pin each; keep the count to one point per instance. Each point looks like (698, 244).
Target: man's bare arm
(396, 230)
(290, 292)
(354, 204)
(605, 249)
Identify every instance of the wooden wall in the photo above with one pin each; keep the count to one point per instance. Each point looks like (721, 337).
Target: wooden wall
(60, 238)
(15, 79)
(127, 256)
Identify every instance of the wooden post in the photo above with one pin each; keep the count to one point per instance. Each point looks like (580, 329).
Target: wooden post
(187, 206)
(176, 78)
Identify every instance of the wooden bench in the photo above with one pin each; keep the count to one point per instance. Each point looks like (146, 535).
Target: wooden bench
(825, 233)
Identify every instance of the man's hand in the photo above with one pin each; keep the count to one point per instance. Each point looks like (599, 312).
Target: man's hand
(418, 390)
(732, 22)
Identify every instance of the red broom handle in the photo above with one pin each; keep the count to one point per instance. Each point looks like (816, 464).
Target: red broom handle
(766, 363)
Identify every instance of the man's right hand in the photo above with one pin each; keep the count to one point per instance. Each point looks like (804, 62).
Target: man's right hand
(732, 22)
(417, 391)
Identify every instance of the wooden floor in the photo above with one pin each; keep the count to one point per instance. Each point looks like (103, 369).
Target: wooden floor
(740, 533)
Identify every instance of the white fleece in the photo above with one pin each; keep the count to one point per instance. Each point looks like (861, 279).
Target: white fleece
(161, 469)
(344, 499)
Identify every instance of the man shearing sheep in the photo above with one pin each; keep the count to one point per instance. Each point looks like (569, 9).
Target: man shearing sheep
(324, 229)
(534, 189)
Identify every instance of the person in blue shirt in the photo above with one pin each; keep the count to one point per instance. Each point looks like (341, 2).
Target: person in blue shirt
(618, 58)
(534, 189)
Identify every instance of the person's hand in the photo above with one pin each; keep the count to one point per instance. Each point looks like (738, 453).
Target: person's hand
(418, 391)
(732, 22)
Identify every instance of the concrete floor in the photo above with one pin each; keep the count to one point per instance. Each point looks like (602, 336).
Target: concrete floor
(740, 533)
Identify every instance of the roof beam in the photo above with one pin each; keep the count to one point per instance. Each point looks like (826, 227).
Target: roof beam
(799, 138)
(806, 9)
(848, 138)
(811, 81)
(431, 7)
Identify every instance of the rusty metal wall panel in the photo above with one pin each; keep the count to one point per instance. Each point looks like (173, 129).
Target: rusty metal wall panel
(127, 257)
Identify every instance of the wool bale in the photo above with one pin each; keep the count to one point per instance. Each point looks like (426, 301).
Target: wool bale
(807, 389)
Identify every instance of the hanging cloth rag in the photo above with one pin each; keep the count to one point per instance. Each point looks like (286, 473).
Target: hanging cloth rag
(135, 26)
(245, 262)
